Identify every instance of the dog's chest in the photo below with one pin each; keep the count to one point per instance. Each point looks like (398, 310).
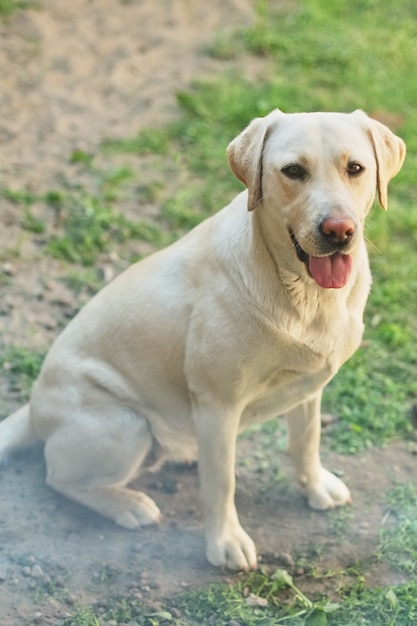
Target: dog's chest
(293, 372)
(283, 392)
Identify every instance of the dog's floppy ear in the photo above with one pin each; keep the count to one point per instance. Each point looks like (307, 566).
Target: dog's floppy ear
(389, 153)
(245, 155)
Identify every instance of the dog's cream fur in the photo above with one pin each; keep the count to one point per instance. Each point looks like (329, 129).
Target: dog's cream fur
(222, 329)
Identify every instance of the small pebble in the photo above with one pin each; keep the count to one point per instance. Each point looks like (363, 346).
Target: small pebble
(36, 571)
(327, 419)
(136, 595)
(70, 599)
(133, 585)
(286, 559)
(8, 269)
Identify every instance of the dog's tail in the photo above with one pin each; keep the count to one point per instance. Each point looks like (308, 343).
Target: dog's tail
(16, 431)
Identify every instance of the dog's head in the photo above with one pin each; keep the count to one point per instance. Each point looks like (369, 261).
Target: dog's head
(315, 176)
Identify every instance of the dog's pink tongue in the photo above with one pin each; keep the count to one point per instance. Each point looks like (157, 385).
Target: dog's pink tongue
(331, 272)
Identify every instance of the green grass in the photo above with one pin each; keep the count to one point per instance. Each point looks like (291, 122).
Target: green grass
(8, 7)
(309, 55)
(283, 603)
(22, 366)
(398, 545)
(90, 226)
(85, 223)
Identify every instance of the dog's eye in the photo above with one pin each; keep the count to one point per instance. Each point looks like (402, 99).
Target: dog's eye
(295, 171)
(354, 168)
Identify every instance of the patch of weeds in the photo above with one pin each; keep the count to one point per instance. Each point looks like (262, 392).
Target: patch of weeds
(21, 197)
(147, 141)
(398, 545)
(180, 210)
(132, 611)
(262, 599)
(82, 157)
(51, 588)
(22, 367)
(107, 572)
(5, 280)
(83, 617)
(257, 598)
(89, 227)
(26, 199)
(8, 7)
(31, 223)
(403, 498)
(84, 279)
(122, 611)
(112, 182)
(371, 405)
(287, 604)
(226, 46)
(389, 606)
(151, 191)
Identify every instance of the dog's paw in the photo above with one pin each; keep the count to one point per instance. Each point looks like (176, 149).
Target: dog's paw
(138, 510)
(328, 492)
(233, 549)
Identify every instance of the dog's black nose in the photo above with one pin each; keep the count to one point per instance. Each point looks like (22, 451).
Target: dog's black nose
(337, 229)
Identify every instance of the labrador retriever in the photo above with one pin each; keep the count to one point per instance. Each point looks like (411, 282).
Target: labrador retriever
(245, 318)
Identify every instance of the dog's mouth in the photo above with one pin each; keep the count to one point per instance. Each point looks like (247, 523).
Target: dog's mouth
(331, 271)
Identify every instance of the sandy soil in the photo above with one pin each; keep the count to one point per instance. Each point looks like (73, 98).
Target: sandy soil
(72, 73)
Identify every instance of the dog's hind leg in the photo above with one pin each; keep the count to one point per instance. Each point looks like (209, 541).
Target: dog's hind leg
(92, 458)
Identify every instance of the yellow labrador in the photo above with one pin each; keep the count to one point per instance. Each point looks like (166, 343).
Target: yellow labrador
(246, 317)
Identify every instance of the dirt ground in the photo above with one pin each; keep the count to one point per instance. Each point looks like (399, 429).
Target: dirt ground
(72, 73)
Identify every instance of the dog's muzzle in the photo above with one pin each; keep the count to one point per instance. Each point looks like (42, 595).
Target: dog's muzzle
(330, 271)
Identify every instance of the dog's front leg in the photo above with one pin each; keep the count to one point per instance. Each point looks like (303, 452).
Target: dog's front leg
(322, 488)
(228, 545)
